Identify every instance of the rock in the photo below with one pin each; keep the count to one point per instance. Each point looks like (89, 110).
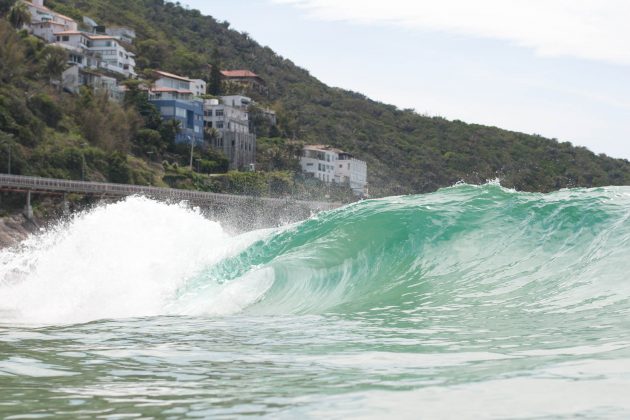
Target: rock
(15, 228)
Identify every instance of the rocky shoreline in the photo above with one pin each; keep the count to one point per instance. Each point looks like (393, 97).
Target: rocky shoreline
(16, 228)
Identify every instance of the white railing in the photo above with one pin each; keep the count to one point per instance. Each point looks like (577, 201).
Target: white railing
(37, 184)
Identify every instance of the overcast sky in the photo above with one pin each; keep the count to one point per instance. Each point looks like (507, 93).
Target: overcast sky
(559, 68)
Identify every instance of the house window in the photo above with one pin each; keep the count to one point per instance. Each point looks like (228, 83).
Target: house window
(219, 113)
(219, 124)
(65, 38)
(190, 119)
(167, 111)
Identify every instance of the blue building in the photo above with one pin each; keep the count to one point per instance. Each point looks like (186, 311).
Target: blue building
(173, 96)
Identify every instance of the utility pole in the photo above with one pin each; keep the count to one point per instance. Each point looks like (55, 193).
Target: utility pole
(192, 148)
(83, 161)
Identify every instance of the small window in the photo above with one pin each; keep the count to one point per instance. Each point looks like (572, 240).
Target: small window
(65, 38)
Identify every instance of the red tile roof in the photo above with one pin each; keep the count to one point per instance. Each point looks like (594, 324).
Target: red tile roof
(172, 76)
(239, 73)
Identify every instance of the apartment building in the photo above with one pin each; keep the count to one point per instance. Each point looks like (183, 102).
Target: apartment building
(332, 165)
(226, 120)
(173, 96)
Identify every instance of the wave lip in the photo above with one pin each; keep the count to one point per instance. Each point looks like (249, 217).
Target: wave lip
(480, 252)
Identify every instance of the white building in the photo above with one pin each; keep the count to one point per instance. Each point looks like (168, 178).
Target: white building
(172, 86)
(229, 119)
(198, 87)
(127, 35)
(230, 113)
(113, 55)
(74, 77)
(45, 23)
(96, 51)
(332, 165)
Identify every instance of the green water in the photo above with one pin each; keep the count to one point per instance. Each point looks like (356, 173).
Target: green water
(472, 302)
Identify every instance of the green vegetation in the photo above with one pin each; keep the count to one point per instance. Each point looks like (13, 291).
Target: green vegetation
(49, 131)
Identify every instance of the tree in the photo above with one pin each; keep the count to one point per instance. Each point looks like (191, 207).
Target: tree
(19, 15)
(5, 6)
(139, 99)
(149, 142)
(214, 87)
(169, 130)
(12, 60)
(54, 63)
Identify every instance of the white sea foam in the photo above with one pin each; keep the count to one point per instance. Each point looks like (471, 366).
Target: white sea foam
(121, 260)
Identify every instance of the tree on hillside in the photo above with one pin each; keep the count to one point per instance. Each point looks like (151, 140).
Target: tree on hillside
(5, 6)
(139, 99)
(214, 87)
(169, 130)
(11, 54)
(19, 15)
(54, 63)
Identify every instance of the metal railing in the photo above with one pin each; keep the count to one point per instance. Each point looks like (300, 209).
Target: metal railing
(37, 184)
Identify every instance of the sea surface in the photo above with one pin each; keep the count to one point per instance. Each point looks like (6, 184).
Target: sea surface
(471, 302)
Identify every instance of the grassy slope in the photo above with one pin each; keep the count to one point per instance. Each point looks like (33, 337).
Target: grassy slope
(406, 152)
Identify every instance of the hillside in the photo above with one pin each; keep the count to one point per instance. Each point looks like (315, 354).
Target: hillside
(405, 152)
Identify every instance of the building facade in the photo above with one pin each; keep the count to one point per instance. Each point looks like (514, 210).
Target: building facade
(126, 35)
(113, 55)
(45, 23)
(227, 123)
(173, 96)
(198, 87)
(332, 165)
(244, 78)
(96, 51)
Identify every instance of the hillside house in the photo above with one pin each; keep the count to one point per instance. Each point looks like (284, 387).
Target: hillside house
(244, 78)
(74, 77)
(97, 51)
(45, 23)
(198, 87)
(332, 165)
(173, 96)
(126, 35)
(113, 55)
(228, 119)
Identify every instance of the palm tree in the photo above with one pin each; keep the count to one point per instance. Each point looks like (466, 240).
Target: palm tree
(19, 15)
(55, 61)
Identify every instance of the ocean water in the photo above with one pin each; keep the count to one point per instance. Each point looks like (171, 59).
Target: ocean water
(471, 302)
